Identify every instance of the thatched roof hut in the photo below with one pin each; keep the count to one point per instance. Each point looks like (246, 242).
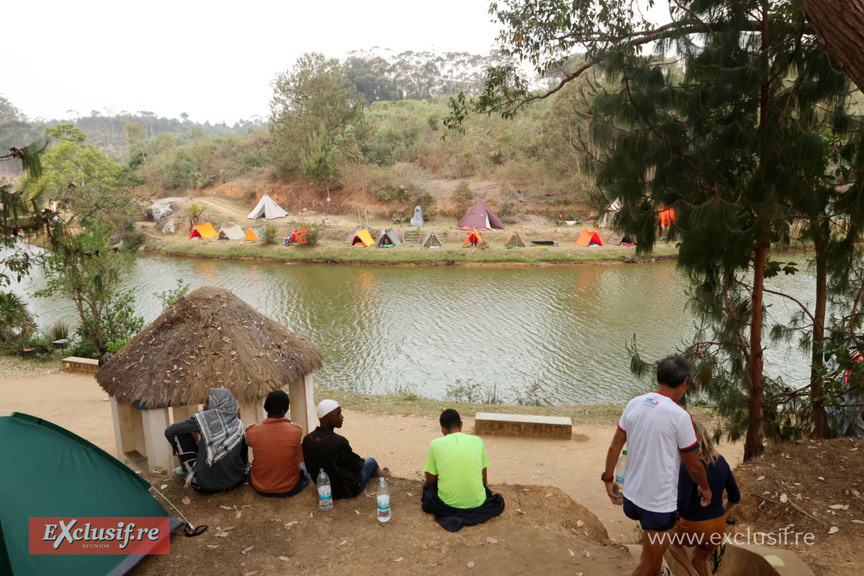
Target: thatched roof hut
(209, 338)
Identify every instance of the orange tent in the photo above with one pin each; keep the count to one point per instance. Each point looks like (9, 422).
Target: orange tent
(667, 217)
(473, 239)
(204, 231)
(589, 237)
(362, 238)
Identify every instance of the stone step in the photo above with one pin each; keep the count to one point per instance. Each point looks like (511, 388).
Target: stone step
(524, 425)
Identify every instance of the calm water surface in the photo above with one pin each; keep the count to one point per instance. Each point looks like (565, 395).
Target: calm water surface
(554, 333)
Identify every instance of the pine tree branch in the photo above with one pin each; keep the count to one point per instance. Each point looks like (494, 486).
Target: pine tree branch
(803, 307)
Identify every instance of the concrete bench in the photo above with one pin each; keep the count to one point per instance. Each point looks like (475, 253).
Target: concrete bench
(526, 426)
(80, 365)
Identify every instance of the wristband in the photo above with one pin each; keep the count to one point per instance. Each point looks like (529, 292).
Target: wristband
(606, 478)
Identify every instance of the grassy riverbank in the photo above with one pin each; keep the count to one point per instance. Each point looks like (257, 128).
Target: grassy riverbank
(338, 252)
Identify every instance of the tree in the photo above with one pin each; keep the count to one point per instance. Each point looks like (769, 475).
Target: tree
(84, 180)
(135, 135)
(369, 76)
(89, 271)
(693, 145)
(309, 102)
(195, 211)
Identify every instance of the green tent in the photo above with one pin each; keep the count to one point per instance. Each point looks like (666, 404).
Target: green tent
(432, 241)
(46, 471)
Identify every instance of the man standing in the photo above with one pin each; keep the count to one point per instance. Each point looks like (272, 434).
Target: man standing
(323, 448)
(277, 468)
(456, 477)
(659, 434)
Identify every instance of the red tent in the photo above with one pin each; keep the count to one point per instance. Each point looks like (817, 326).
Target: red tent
(480, 217)
(667, 217)
(473, 239)
(589, 237)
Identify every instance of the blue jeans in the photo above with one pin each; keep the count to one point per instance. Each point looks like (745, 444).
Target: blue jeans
(370, 469)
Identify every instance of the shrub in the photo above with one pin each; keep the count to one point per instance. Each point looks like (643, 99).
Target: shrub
(463, 197)
(270, 235)
(59, 330)
(169, 297)
(507, 211)
(307, 236)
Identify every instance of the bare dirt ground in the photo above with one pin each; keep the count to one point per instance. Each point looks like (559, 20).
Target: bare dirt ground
(809, 488)
(550, 486)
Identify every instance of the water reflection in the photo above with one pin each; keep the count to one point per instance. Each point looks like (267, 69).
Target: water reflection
(383, 329)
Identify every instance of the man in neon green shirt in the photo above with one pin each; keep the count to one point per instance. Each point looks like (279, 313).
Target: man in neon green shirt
(455, 489)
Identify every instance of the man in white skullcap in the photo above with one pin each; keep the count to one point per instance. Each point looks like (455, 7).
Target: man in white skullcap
(323, 448)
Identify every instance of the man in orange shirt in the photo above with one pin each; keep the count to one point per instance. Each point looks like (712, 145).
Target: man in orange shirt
(277, 468)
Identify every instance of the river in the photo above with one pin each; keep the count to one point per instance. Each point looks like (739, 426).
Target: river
(554, 334)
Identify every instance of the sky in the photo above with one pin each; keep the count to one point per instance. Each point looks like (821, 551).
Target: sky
(214, 60)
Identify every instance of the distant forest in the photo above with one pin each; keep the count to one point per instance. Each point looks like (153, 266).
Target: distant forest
(370, 122)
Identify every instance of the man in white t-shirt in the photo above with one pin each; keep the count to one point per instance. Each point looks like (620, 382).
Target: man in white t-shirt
(659, 435)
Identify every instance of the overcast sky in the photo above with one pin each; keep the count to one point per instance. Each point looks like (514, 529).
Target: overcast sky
(214, 60)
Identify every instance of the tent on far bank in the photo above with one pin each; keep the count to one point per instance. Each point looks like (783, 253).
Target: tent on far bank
(431, 241)
(474, 239)
(361, 238)
(480, 217)
(388, 239)
(204, 231)
(515, 241)
(417, 220)
(254, 234)
(589, 238)
(666, 217)
(267, 209)
(50, 472)
(608, 217)
(232, 233)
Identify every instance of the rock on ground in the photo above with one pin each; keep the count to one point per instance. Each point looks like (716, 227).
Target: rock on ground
(161, 209)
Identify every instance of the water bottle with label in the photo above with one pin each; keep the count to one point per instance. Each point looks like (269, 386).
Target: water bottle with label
(619, 474)
(383, 501)
(325, 494)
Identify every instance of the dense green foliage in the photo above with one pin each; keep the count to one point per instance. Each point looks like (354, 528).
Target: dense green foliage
(752, 139)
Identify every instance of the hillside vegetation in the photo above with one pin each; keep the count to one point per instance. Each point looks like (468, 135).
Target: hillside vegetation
(366, 132)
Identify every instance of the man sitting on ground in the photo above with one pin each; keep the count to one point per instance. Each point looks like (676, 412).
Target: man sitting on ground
(277, 468)
(456, 488)
(217, 461)
(323, 448)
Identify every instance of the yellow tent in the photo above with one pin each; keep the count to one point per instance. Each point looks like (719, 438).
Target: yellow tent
(204, 231)
(362, 238)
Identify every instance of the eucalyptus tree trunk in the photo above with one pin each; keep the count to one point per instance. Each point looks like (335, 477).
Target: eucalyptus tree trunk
(840, 26)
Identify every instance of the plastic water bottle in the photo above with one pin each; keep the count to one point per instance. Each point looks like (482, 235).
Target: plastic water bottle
(619, 469)
(383, 501)
(325, 493)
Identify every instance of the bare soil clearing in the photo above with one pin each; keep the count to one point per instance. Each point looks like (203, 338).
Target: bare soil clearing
(554, 482)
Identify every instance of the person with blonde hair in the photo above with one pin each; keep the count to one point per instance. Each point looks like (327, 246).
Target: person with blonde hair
(703, 526)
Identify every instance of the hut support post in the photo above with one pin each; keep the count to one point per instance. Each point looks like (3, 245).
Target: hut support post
(158, 449)
(251, 411)
(302, 397)
(124, 435)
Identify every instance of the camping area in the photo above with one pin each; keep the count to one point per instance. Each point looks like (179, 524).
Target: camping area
(539, 214)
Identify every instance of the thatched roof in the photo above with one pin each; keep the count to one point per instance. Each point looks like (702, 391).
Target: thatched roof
(209, 338)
